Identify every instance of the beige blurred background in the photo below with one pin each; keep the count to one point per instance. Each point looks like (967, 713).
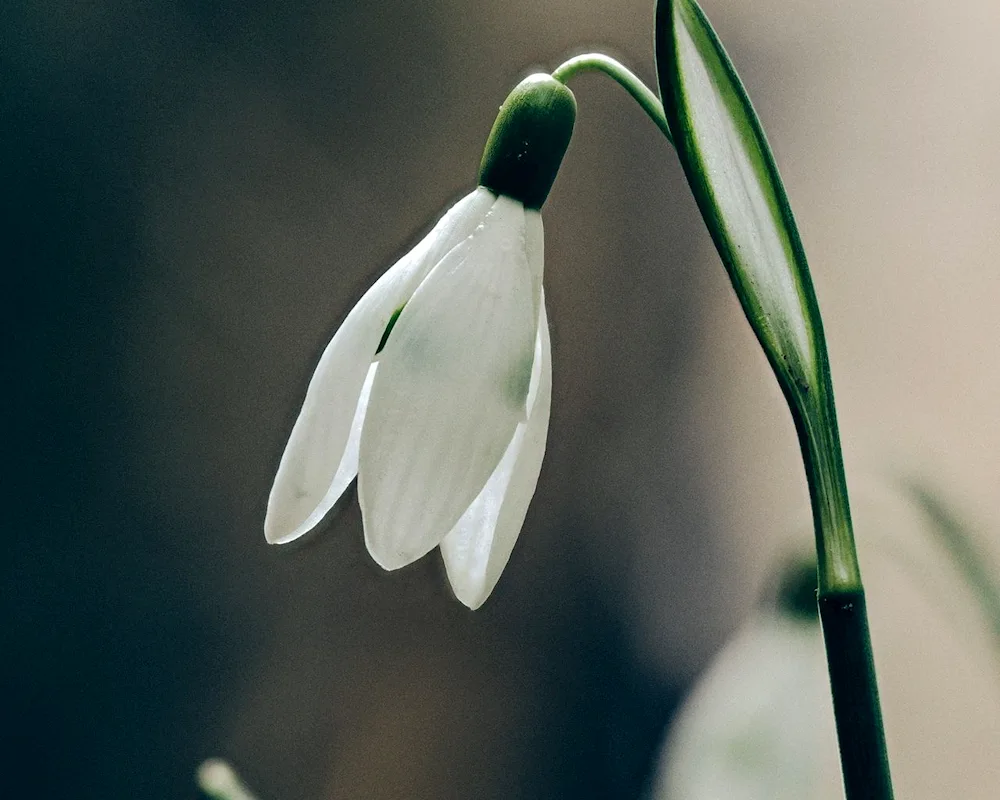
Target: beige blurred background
(199, 192)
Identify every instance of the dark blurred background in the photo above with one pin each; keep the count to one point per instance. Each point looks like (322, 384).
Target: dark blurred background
(194, 196)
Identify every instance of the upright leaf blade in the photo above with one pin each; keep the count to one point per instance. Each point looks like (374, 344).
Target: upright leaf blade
(729, 166)
(731, 172)
(732, 175)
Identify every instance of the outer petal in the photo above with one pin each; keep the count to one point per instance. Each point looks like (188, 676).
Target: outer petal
(301, 494)
(450, 390)
(479, 546)
(348, 468)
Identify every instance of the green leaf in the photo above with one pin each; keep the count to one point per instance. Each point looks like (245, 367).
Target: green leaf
(732, 174)
(969, 557)
(729, 166)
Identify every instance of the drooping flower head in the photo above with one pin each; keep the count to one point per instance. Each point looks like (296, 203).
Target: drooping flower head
(435, 389)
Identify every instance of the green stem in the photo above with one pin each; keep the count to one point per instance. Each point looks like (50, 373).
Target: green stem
(628, 80)
(816, 424)
(843, 613)
(860, 732)
(863, 757)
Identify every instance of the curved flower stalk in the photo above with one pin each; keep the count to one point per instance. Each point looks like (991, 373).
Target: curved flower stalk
(435, 390)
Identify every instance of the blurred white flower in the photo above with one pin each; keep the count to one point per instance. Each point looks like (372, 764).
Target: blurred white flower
(435, 392)
(759, 724)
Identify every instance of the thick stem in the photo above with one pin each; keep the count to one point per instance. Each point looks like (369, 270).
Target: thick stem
(863, 756)
(628, 80)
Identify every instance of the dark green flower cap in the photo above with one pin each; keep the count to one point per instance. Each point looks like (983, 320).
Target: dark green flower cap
(528, 140)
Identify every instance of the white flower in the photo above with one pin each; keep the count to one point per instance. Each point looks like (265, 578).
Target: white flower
(758, 722)
(445, 425)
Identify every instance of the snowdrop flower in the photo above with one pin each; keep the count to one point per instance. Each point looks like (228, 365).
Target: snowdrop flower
(758, 723)
(435, 390)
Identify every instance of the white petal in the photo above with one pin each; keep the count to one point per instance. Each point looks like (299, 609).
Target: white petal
(450, 390)
(758, 720)
(479, 546)
(534, 240)
(348, 468)
(302, 490)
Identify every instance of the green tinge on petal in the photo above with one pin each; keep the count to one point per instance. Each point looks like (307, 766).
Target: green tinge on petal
(300, 495)
(478, 547)
(534, 244)
(450, 390)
